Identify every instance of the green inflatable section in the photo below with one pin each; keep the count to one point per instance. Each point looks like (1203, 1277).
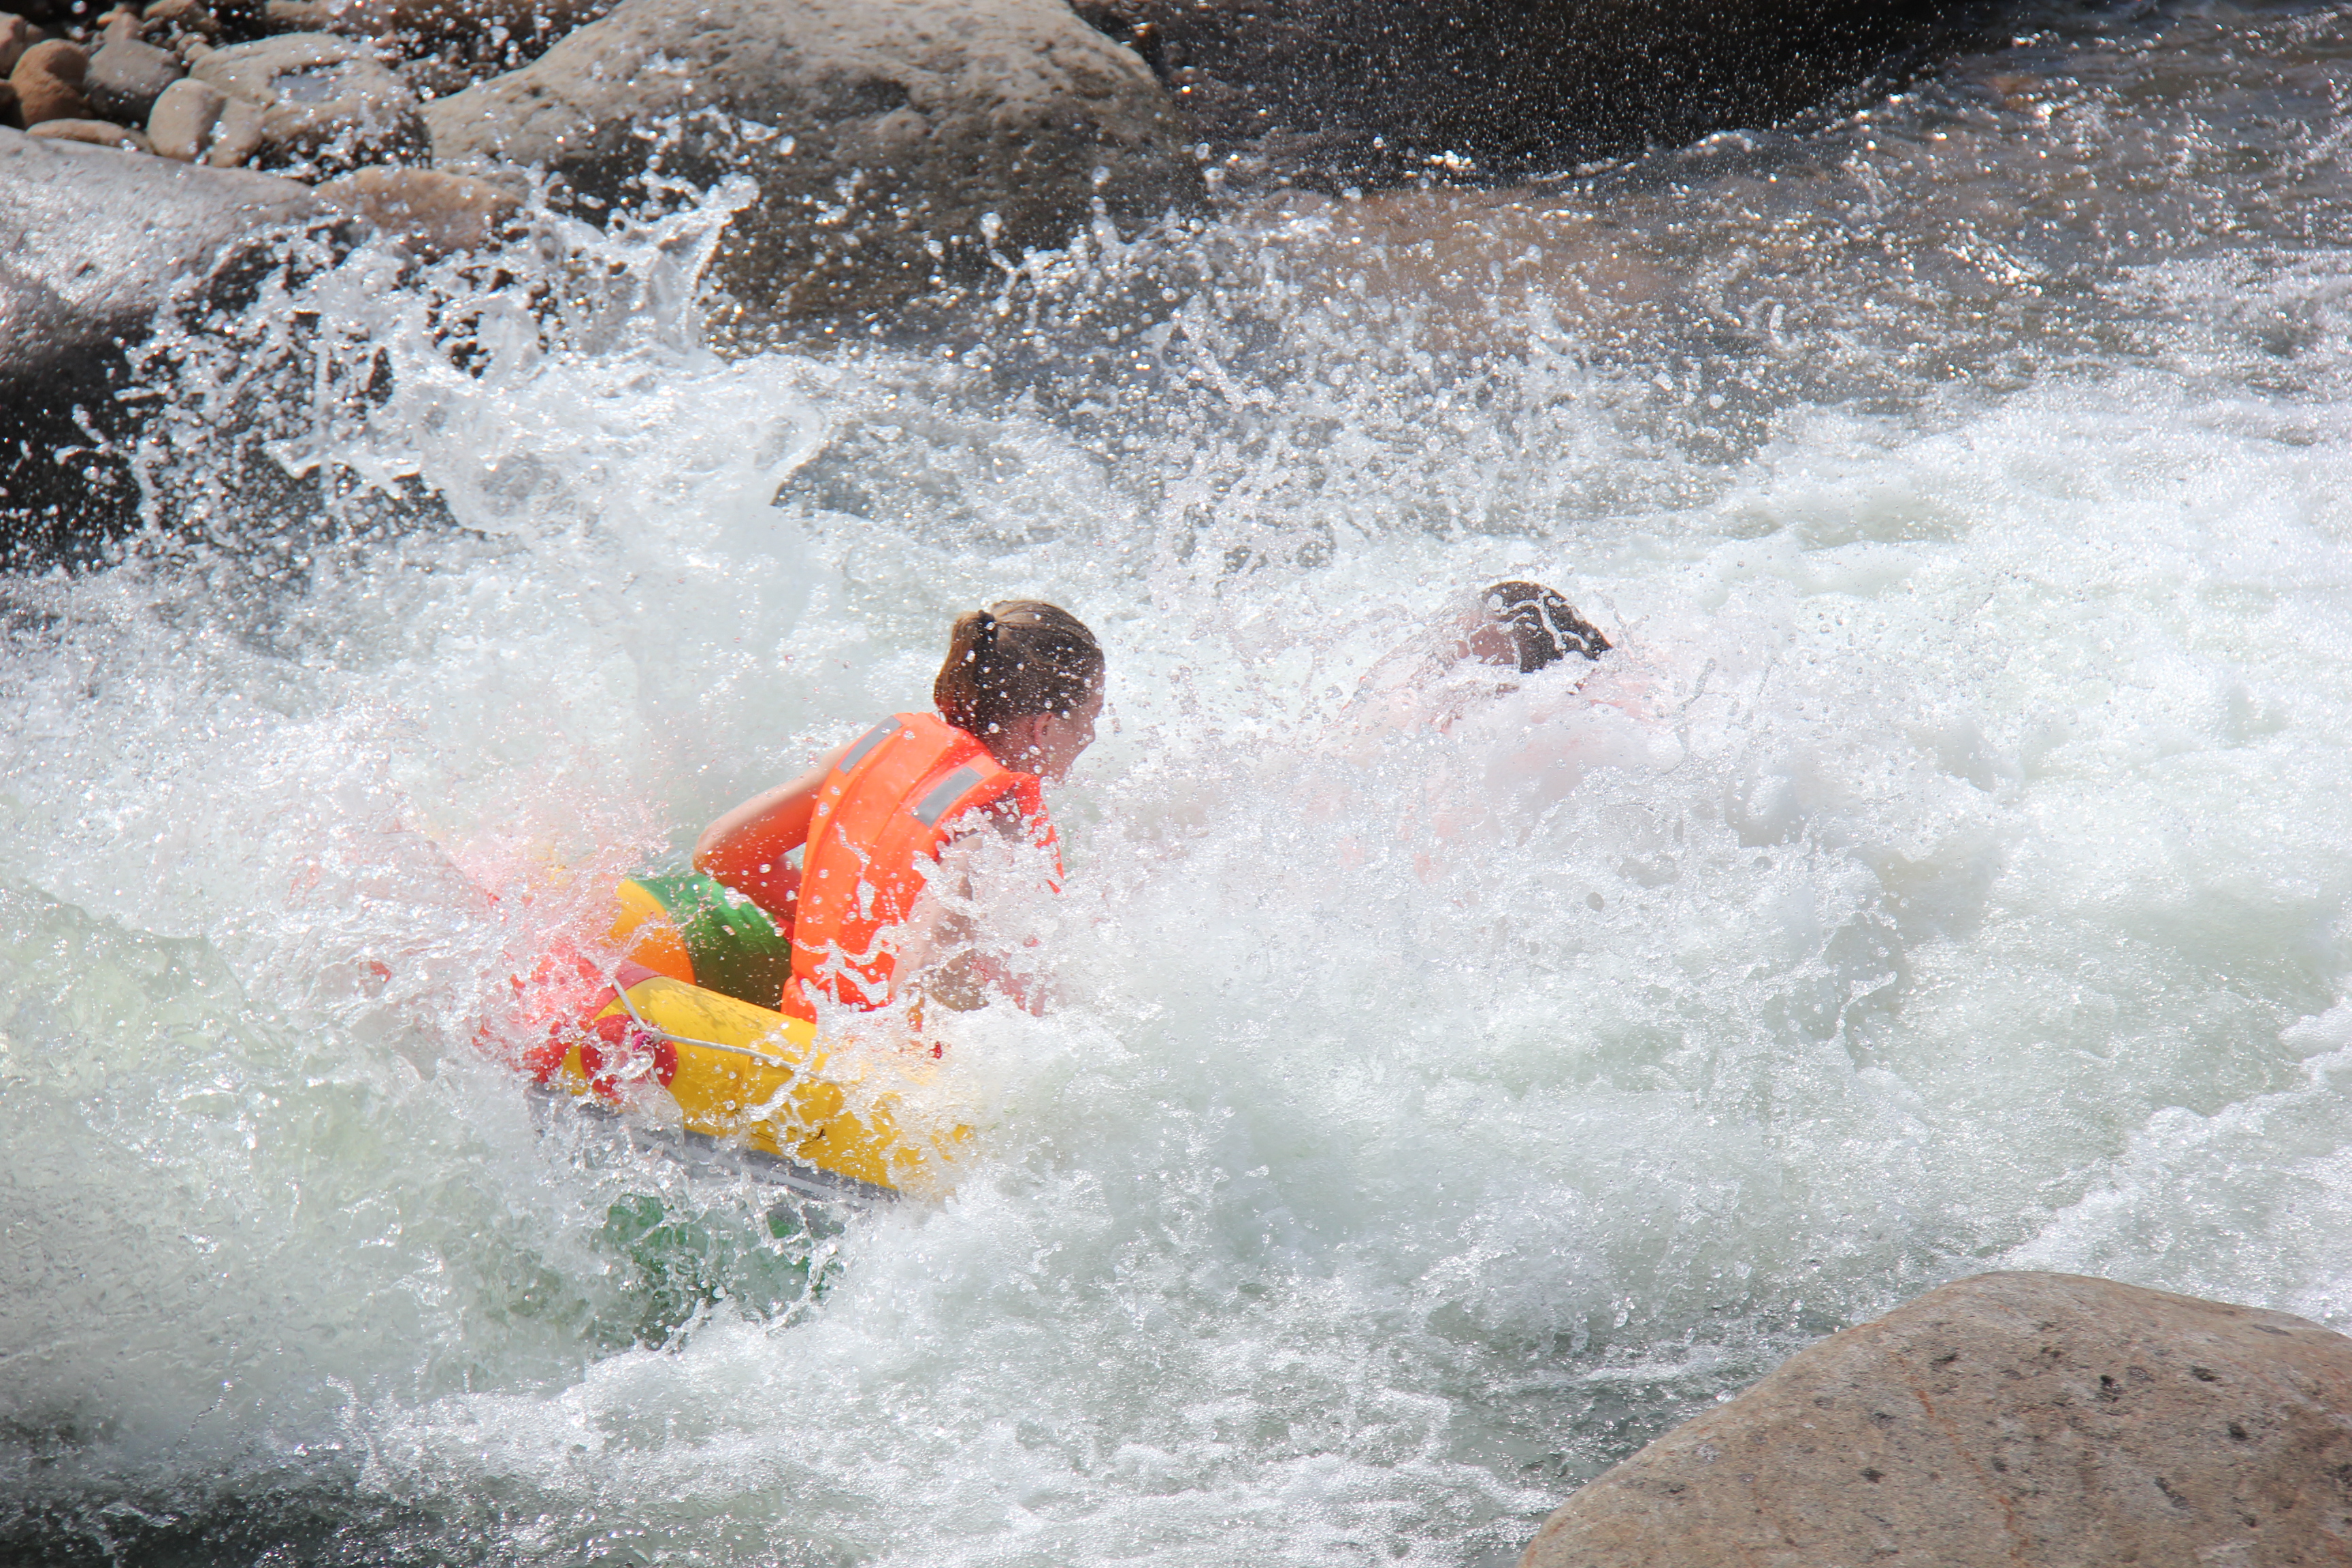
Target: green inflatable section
(737, 949)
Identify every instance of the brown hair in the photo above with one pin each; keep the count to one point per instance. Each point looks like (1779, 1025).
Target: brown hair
(1545, 629)
(1012, 659)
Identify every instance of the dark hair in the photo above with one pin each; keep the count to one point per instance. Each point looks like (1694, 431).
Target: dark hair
(1545, 629)
(1012, 659)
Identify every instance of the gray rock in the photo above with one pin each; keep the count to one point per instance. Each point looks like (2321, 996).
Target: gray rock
(327, 104)
(127, 77)
(91, 244)
(427, 211)
(181, 124)
(893, 144)
(93, 133)
(1338, 92)
(2025, 1420)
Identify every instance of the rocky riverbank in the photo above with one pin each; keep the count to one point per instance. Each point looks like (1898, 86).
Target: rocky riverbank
(896, 149)
(2017, 1419)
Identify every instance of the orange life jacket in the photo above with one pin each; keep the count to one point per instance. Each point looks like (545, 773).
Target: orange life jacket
(882, 816)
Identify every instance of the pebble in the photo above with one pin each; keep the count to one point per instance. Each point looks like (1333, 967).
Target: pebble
(183, 119)
(127, 77)
(47, 78)
(17, 36)
(96, 133)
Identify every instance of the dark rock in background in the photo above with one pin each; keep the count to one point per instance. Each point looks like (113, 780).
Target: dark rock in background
(2017, 1420)
(1373, 92)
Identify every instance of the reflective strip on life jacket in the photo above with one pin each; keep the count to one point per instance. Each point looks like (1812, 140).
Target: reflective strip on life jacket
(882, 816)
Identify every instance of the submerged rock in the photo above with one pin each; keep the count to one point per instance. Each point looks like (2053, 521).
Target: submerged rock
(894, 145)
(2015, 1419)
(326, 103)
(1334, 92)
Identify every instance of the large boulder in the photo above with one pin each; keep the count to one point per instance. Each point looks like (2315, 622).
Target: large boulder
(895, 144)
(2025, 1420)
(1337, 92)
(93, 243)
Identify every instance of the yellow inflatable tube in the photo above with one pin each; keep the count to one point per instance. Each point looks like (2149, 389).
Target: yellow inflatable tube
(745, 1074)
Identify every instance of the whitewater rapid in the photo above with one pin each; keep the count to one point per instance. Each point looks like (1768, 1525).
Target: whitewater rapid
(1948, 870)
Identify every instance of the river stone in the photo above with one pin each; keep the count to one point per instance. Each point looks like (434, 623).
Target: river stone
(181, 125)
(93, 133)
(47, 78)
(327, 104)
(429, 211)
(895, 142)
(2025, 1420)
(17, 36)
(236, 135)
(127, 77)
(179, 18)
(1338, 92)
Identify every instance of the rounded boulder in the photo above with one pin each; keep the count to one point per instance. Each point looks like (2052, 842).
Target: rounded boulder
(47, 78)
(895, 144)
(326, 103)
(127, 77)
(2025, 1420)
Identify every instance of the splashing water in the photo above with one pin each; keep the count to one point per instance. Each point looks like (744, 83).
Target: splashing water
(1946, 871)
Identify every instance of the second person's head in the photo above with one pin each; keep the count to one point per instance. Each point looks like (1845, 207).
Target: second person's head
(1025, 678)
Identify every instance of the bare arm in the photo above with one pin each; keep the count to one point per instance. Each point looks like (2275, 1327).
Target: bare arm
(746, 848)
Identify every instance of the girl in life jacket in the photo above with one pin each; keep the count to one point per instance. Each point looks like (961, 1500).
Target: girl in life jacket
(1017, 699)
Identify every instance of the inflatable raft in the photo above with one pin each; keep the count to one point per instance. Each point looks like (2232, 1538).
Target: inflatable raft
(680, 1020)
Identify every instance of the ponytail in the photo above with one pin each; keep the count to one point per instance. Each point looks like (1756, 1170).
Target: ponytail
(1015, 658)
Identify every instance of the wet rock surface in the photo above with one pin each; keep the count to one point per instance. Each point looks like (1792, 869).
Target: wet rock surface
(93, 133)
(894, 147)
(325, 103)
(93, 243)
(1337, 92)
(2012, 1418)
(427, 211)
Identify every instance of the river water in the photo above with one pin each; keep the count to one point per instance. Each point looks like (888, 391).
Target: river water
(1946, 872)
